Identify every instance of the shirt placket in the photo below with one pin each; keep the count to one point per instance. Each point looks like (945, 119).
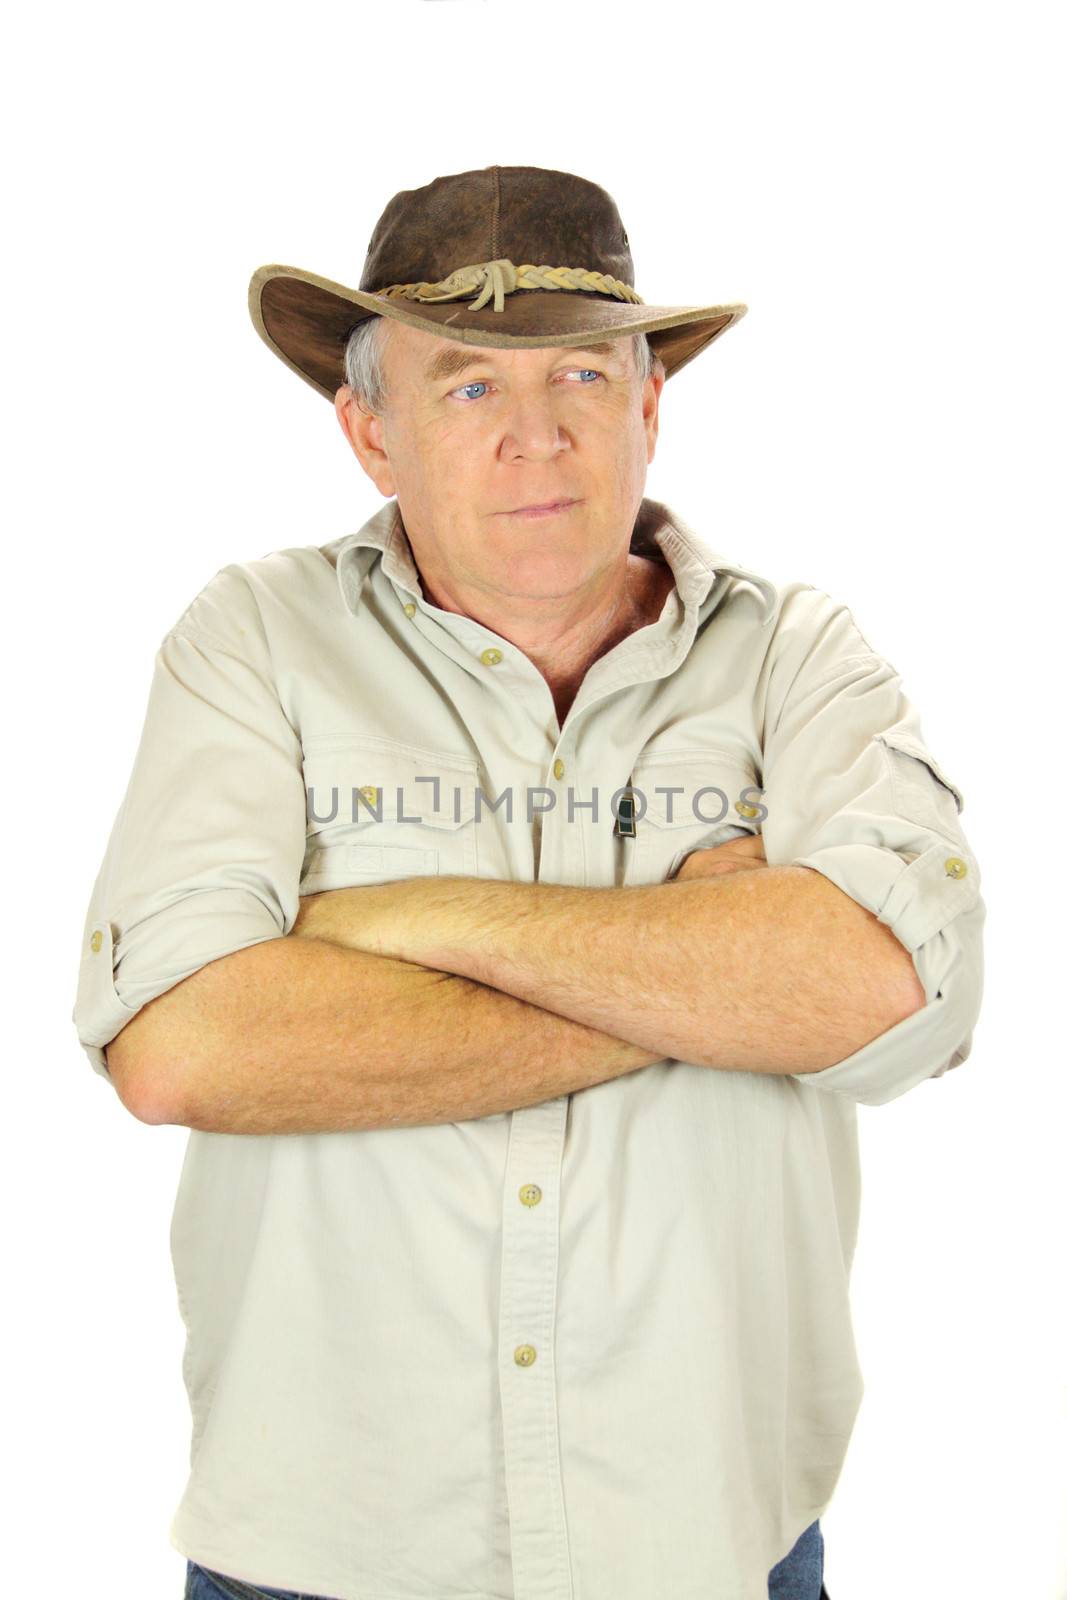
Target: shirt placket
(529, 1279)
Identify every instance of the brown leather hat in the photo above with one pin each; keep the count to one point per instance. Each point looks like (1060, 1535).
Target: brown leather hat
(442, 258)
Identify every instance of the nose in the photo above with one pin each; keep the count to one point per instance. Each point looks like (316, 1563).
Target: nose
(532, 430)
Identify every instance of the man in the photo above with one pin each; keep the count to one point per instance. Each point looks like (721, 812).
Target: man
(516, 905)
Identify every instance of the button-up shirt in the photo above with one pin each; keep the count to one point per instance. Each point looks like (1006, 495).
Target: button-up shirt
(595, 1347)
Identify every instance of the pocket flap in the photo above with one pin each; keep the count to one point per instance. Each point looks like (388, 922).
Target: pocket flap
(698, 790)
(353, 782)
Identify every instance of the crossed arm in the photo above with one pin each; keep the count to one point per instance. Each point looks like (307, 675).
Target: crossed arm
(444, 999)
(772, 970)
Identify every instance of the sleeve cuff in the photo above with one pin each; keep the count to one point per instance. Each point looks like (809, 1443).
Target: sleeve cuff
(116, 980)
(937, 913)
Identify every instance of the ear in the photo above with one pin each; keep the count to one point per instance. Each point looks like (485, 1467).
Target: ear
(363, 430)
(650, 403)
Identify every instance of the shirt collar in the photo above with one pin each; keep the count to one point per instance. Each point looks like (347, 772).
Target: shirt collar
(658, 532)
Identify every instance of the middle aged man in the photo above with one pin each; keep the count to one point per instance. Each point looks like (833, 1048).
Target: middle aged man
(515, 899)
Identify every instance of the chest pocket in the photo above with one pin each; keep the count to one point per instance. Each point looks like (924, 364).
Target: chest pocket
(378, 811)
(692, 801)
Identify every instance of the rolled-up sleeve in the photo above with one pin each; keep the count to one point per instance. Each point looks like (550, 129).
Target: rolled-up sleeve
(205, 854)
(853, 791)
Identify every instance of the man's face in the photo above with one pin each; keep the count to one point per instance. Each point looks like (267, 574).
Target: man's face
(472, 434)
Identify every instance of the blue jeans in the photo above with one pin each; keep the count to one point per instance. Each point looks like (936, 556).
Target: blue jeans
(798, 1576)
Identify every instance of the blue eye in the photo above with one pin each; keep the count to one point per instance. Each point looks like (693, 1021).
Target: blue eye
(481, 384)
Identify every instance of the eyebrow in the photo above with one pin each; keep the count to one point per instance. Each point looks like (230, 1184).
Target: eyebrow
(448, 363)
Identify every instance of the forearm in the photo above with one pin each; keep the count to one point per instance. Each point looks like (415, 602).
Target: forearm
(770, 971)
(299, 1035)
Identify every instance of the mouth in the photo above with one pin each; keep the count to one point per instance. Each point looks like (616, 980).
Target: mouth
(553, 509)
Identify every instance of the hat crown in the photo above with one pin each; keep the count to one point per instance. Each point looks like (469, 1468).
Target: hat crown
(522, 214)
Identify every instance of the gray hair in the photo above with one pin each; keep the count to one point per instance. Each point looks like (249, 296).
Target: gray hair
(363, 362)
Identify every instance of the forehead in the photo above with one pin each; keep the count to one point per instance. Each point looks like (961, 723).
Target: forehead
(433, 358)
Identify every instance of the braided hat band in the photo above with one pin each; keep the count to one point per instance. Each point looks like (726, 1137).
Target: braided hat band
(490, 219)
(501, 277)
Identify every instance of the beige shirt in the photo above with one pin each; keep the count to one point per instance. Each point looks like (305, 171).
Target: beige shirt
(597, 1347)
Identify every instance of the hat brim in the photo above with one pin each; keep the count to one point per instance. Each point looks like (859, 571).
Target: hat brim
(306, 320)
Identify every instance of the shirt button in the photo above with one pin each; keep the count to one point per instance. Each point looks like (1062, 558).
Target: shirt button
(955, 867)
(558, 769)
(96, 941)
(492, 656)
(530, 1194)
(370, 794)
(525, 1355)
(409, 609)
(745, 810)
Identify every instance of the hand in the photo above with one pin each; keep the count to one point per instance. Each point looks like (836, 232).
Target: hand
(743, 854)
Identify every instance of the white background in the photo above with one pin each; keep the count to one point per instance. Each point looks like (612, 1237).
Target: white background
(882, 186)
